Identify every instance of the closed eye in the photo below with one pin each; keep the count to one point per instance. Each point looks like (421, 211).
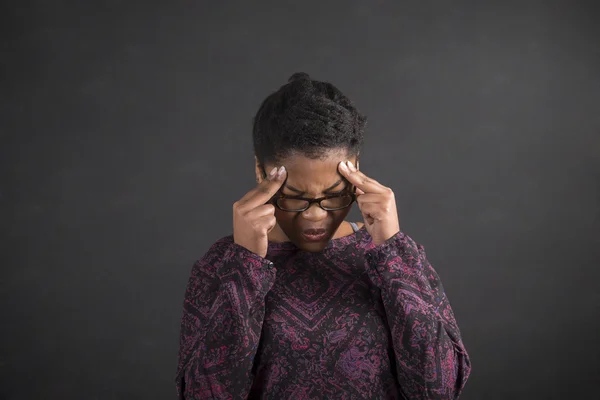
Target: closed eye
(327, 191)
(341, 192)
(327, 194)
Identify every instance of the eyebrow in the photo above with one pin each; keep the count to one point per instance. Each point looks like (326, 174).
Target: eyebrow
(329, 189)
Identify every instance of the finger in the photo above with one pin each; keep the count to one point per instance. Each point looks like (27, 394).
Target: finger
(266, 223)
(370, 198)
(261, 211)
(265, 190)
(360, 180)
(373, 210)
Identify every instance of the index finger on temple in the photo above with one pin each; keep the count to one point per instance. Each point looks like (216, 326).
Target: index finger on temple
(360, 180)
(265, 190)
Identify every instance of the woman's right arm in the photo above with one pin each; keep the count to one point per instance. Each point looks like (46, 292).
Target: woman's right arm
(223, 312)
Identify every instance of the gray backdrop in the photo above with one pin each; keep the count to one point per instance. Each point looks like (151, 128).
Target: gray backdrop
(126, 137)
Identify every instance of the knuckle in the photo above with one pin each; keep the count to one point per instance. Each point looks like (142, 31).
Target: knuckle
(238, 208)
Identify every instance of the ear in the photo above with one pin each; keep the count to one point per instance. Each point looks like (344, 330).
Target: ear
(357, 160)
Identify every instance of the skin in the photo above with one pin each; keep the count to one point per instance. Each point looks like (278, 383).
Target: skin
(377, 204)
(313, 177)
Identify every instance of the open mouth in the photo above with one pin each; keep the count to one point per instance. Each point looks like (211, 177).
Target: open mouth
(314, 235)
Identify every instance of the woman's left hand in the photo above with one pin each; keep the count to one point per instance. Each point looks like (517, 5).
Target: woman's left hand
(376, 202)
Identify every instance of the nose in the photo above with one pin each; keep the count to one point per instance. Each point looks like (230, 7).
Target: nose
(314, 213)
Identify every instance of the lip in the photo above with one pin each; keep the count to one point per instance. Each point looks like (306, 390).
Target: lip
(316, 235)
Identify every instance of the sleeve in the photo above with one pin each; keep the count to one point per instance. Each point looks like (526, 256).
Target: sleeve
(223, 312)
(431, 360)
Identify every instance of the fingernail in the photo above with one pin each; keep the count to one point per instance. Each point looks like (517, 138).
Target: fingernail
(281, 171)
(344, 166)
(272, 173)
(351, 166)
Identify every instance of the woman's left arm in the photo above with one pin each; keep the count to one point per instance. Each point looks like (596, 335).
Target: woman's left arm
(431, 360)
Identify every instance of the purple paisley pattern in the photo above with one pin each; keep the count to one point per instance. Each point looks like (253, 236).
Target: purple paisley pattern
(355, 321)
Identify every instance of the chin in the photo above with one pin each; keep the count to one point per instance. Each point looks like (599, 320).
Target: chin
(313, 246)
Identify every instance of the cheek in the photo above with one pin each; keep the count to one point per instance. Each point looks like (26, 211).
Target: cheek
(283, 217)
(340, 215)
(287, 220)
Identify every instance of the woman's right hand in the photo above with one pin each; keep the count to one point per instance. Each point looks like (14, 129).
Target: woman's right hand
(253, 219)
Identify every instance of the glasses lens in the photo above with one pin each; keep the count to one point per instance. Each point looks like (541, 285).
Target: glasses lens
(292, 204)
(337, 202)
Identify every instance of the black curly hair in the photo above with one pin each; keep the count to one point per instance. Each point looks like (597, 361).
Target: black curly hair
(306, 117)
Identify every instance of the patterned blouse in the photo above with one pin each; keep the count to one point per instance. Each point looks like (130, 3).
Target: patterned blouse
(354, 321)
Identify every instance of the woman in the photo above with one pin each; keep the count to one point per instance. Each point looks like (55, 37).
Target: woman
(299, 303)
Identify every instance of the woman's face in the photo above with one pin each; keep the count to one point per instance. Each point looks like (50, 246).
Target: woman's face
(310, 178)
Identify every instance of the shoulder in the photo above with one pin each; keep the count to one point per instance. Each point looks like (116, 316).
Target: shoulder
(221, 245)
(216, 251)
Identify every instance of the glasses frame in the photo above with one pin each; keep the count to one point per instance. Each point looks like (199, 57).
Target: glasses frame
(318, 200)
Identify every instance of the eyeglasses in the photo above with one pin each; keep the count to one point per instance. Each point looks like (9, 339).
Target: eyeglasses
(328, 203)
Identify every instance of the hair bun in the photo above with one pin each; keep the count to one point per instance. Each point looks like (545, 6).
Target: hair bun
(299, 76)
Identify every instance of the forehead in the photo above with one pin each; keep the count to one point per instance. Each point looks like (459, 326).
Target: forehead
(314, 175)
(327, 159)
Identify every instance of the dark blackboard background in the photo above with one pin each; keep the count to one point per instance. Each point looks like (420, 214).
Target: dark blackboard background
(126, 136)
